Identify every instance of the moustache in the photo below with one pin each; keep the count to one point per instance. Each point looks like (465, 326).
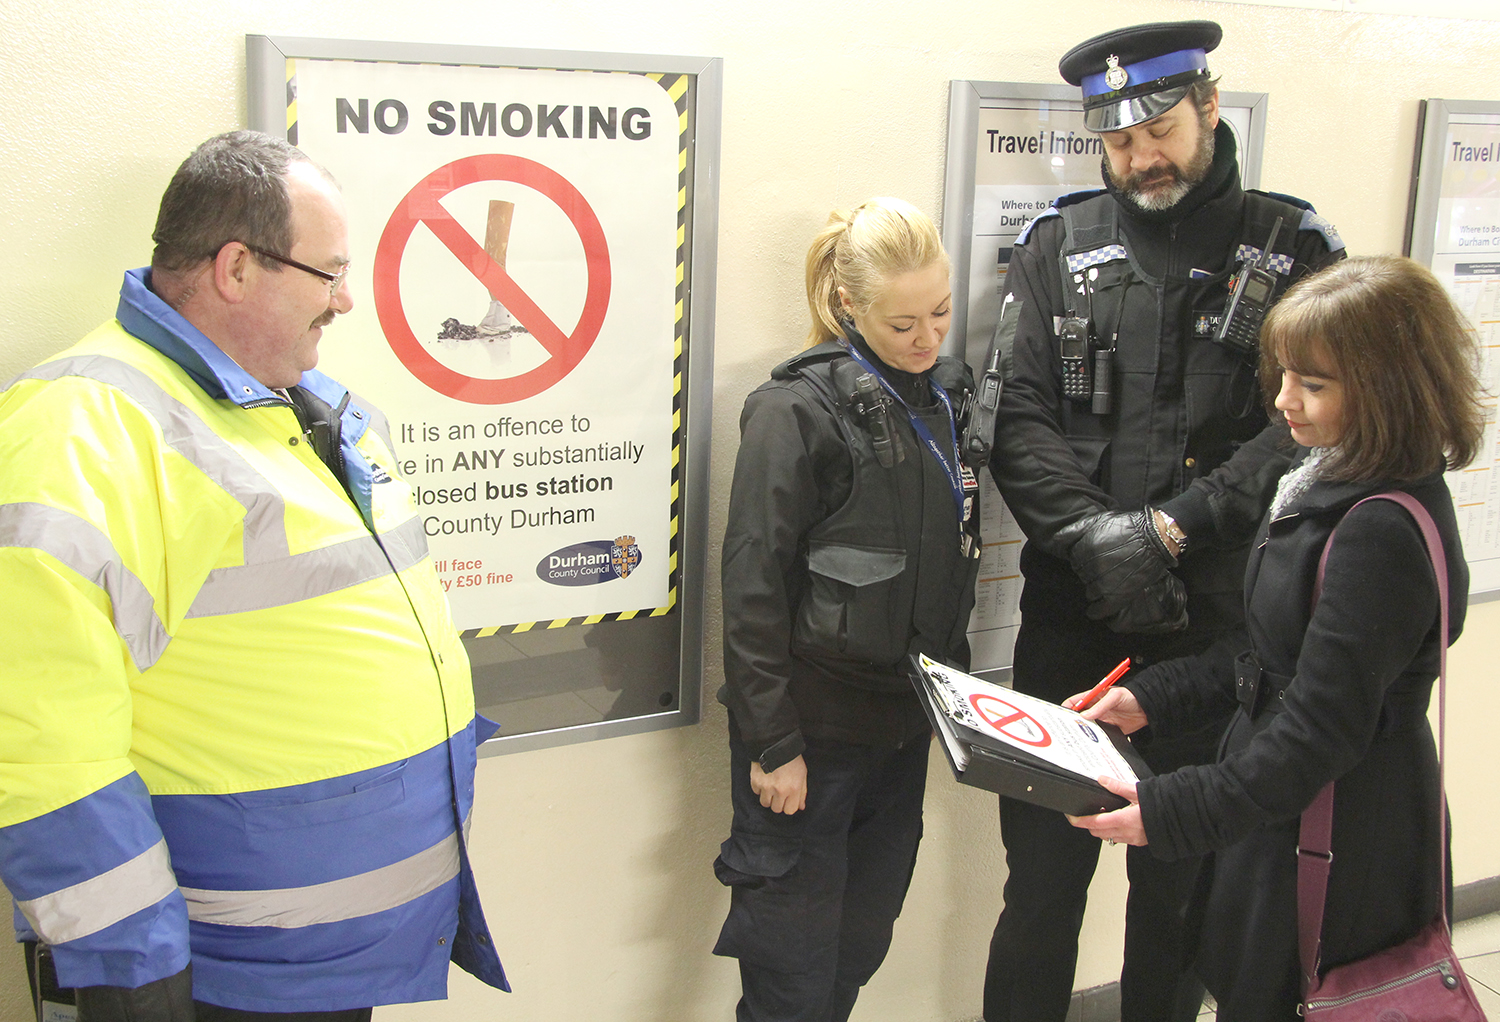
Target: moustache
(324, 319)
(1151, 178)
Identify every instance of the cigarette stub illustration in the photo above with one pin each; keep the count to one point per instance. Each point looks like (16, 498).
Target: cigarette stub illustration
(497, 327)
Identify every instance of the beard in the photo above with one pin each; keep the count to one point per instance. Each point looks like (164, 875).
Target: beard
(1164, 186)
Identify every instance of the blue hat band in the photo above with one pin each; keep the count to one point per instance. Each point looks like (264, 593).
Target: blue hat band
(1165, 66)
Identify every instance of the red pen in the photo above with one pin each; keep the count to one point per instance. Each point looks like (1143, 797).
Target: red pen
(1103, 686)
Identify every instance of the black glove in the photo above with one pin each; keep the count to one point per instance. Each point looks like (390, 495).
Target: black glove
(1124, 565)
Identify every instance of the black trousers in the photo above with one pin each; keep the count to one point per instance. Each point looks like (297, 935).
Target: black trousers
(815, 895)
(1034, 950)
(214, 1013)
(163, 999)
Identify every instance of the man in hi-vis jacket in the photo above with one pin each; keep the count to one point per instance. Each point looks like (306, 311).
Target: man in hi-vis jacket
(237, 733)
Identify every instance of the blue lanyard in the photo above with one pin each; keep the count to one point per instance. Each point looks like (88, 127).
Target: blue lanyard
(950, 466)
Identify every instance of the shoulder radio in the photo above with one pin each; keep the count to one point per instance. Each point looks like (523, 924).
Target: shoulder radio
(1252, 298)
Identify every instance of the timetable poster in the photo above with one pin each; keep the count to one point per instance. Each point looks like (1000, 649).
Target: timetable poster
(515, 243)
(1025, 155)
(1466, 258)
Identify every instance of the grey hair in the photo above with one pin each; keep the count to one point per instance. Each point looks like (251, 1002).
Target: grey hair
(232, 188)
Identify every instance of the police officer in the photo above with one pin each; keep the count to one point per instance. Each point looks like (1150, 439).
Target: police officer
(852, 542)
(1133, 448)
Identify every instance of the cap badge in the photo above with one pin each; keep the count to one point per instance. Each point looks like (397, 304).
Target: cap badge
(1115, 76)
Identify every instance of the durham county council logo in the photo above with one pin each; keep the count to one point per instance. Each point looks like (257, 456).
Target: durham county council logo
(624, 555)
(591, 562)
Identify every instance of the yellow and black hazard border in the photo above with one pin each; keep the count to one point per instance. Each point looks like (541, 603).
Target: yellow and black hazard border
(678, 86)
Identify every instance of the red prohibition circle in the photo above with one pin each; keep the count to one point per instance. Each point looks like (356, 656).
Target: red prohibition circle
(422, 205)
(1007, 717)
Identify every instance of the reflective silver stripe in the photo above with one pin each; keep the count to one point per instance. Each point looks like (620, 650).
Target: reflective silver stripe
(306, 575)
(104, 900)
(271, 575)
(185, 432)
(376, 891)
(406, 544)
(299, 577)
(80, 545)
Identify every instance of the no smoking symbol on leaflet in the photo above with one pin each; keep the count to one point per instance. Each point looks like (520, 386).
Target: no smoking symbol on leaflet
(1017, 725)
(486, 262)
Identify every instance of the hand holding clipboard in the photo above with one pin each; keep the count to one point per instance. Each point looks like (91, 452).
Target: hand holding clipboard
(1119, 707)
(1024, 747)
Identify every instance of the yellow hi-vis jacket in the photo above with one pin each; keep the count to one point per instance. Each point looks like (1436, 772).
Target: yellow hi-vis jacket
(236, 720)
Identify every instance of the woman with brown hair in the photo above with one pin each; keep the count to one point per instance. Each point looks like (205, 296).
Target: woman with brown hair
(1374, 372)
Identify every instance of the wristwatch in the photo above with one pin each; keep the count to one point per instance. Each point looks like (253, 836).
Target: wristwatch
(1169, 529)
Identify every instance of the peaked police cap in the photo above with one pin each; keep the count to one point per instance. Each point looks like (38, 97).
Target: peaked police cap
(1134, 74)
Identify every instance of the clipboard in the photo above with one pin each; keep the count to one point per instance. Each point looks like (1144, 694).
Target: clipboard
(1001, 767)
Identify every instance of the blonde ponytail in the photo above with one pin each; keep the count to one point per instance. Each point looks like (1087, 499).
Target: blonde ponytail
(860, 250)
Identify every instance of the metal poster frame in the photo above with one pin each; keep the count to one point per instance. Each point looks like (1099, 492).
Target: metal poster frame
(566, 679)
(1453, 228)
(992, 628)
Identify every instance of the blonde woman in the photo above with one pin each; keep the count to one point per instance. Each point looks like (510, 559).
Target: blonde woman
(852, 542)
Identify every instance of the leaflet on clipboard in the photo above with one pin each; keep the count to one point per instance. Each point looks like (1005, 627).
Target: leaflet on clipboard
(1024, 747)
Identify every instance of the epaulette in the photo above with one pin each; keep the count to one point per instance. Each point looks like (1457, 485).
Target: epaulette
(816, 355)
(1052, 210)
(1073, 198)
(1026, 231)
(1312, 220)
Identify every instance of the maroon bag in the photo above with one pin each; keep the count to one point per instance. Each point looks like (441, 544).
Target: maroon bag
(1420, 979)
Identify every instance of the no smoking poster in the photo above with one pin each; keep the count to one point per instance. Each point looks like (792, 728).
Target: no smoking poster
(515, 243)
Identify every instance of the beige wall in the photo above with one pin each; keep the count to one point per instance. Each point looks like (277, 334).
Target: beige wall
(595, 859)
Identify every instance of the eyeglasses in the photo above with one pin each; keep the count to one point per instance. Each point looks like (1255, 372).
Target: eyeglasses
(335, 280)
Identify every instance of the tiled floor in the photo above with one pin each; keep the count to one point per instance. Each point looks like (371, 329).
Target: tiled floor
(1477, 942)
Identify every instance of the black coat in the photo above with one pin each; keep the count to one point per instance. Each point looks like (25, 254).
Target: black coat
(1165, 444)
(1183, 404)
(1361, 667)
(796, 470)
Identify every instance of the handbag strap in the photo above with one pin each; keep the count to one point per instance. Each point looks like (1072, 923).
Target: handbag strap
(1315, 838)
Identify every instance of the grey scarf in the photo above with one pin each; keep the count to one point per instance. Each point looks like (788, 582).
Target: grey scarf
(1296, 482)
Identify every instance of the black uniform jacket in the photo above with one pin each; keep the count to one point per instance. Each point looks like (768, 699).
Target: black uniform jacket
(795, 469)
(1183, 404)
(1361, 667)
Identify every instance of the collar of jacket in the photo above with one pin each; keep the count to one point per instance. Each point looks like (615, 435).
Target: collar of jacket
(1329, 497)
(913, 387)
(1220, 186)
(154, 322)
